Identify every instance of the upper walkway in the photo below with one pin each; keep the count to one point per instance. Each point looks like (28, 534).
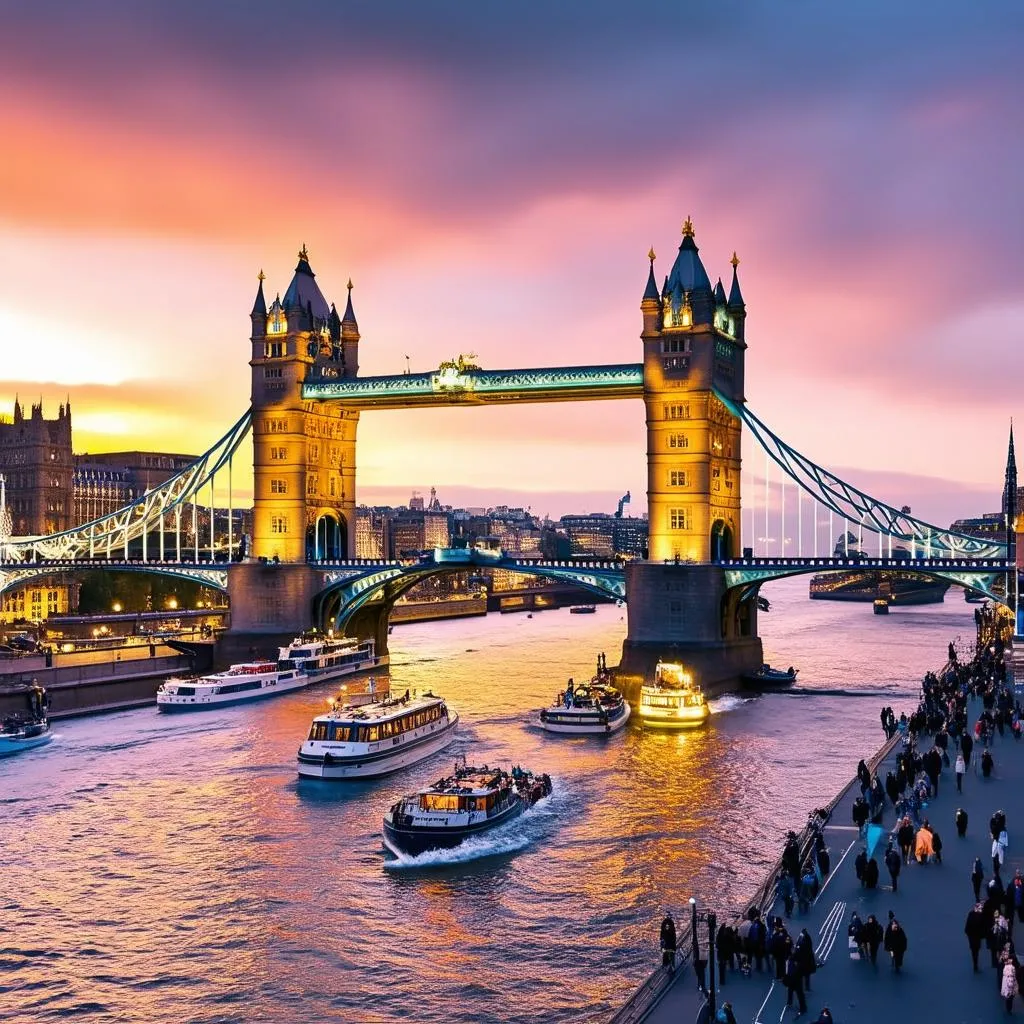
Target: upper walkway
(937, 983)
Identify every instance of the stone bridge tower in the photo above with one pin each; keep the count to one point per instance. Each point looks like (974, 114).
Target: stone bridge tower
(678, 605)
(304, 452)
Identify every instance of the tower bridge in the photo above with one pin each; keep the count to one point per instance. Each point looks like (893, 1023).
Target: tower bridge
(694, 596)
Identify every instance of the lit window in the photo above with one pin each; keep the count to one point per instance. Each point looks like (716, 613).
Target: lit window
(279, 454)
(273, 349)
(276, 322)
(679, 519)
(678, 441)
(678, 478)
(278, 486)
(278, 524)
(677, 412)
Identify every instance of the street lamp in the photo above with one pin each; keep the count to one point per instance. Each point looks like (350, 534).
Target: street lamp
(117, 606)
(698, 965)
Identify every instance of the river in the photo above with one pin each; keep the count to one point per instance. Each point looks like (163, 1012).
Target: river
(172, 868)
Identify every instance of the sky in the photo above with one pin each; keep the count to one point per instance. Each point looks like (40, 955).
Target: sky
(491, 178)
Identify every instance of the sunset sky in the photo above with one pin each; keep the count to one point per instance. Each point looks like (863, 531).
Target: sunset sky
(491, 178)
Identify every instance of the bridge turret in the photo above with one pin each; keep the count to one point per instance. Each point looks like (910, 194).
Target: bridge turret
(693, 443)
(736, 306)
(350, 337)
(259, 310)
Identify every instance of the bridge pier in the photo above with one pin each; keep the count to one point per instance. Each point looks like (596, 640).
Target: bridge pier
(686, 613)
(271, 600)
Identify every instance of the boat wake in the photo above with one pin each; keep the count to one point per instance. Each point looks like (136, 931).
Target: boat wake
(469, 850)
(729, 702)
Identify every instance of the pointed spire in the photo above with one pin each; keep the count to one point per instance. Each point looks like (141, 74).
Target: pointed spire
(350, 316)
(719, 294)
(651, 291)
(735, 295)
(259, 307)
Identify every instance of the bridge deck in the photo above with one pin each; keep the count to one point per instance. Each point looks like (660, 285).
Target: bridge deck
(937, 980)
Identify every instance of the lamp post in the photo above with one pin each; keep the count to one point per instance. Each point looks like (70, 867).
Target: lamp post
(709, 916)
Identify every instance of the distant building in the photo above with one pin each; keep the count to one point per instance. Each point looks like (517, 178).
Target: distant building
(372, 532)
(604, 536)
(36, 462)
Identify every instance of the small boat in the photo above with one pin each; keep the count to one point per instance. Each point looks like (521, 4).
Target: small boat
(975, 596)
(880, 605)
(20, 732)
(462, 805)
(582, 609)
(768, 678)
(370, 740)
(591, 709)
(249, 681)
(672, 701)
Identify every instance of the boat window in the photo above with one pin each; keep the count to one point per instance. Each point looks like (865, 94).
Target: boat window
(372, 734)
(186, 691)
(318, 731)
(441, 802)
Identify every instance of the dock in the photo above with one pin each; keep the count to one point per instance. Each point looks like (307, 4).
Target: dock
(937, 980)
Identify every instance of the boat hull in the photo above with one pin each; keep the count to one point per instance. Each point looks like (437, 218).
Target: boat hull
(411, 841)
(212, 702)
(379, 763)
(593, 727)
(674, 725)
(10, 746)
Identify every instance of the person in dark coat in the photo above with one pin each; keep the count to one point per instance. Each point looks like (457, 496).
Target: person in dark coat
(974, 929)
(905, 837)
(967, 746)
(896, 943)
(725, 1014)
(891, 789)
(803, 951)
(725, 949)
(936, 845)
(668, 943)
(987, 764)
(893, 861)
(780, 946)
(871, 873)
(961, 822)
(977, 877)
(860, 863)
(825, 1017)
(872, 935)
(860, 813)
(794, 979)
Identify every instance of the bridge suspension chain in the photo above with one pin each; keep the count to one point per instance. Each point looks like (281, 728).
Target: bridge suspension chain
(857, 507)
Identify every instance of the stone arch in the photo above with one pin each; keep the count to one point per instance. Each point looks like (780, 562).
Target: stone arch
(327, 537)
(723, 542)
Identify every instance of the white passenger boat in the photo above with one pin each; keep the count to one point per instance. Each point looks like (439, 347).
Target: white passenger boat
(324, 658)
(673, 701)
(590, 709)
(252, 680)
(18, 733)
(364, 742)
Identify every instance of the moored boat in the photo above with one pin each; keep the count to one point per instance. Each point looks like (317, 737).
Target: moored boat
(590, 709)
(881, 606)
(673, 700)
(370, 740)
(248, 681)
(322, 658)
(19, 732)
(465, 804)
(768, 678)
(582, 609)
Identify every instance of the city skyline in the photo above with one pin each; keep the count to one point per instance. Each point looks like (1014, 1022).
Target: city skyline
(185, 152)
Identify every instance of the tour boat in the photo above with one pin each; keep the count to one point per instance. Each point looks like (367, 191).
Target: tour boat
(252, 680)
(464, 804)
(881, 605)
(18, 733)
(768, 678)
(582, 609)
(364, 742)
(672, 701)
(590, 709)
(324, 658)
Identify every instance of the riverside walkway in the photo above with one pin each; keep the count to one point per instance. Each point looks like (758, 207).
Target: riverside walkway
(937, 982)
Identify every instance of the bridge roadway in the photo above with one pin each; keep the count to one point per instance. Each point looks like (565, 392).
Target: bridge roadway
(937, 983)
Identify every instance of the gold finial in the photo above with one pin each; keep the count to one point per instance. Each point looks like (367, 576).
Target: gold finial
(735, 261)
(349, 285)
(688, 228)
(303, 255)
(650, 255)
(261, 277)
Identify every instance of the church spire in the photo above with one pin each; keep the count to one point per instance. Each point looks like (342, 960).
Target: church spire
(1010, 498)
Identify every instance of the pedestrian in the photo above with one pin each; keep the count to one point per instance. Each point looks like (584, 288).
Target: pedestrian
(974, 929)
(905, 837)
(786, 891)
(855, 934)
(872, 934)
(961, 822)
(725, 1014)
(1017, 892)
(803, 950)
(794, 985)
(893, 861)
(860, 813)
(780, 946)
(1008, 988)
(998, 853)
(668, 943)
(871, 873)
(895, 943)
(937, 846)
(987, 764)
(998, 936)
(860, 863)
(977, 877)
(966, 746)
(961, 770)
(825, 1017)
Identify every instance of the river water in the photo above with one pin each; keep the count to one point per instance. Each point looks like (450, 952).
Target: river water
(172, 868)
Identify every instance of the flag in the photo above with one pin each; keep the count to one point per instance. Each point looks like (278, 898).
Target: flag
(874, 837)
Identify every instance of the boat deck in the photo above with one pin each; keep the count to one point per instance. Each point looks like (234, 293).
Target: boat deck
(937, 982)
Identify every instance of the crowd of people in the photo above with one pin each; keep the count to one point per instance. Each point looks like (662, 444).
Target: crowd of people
(938, 735)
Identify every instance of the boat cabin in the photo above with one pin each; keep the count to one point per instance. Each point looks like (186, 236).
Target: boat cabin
(372, 723)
